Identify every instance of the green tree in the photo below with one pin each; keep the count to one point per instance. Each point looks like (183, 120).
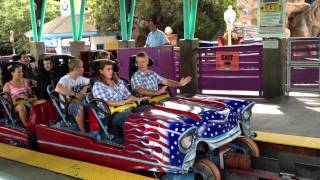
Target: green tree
(210, 23)
(15, 16)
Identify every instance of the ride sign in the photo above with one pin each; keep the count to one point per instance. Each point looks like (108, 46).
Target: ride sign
(227, 61)
(271, 18)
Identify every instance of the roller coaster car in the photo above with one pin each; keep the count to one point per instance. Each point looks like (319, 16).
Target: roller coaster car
(174, 135)
(12, 130)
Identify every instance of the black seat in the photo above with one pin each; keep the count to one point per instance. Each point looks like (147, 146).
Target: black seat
(102, 113)
(60, 65)
(58, 103)
(8, 108)
(5, 73)
(133, 65)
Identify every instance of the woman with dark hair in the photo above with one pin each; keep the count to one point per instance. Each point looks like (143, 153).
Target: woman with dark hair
(20, 92)
(113, 91)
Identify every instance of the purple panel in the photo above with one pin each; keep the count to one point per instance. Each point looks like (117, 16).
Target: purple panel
(247, 78)
(305, 49)
(305, 42)
(305, 76)
(230, 84)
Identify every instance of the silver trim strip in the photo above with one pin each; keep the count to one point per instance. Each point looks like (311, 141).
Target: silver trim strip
(107, 154)
(12, 136)
(217, 142)
(248, 106)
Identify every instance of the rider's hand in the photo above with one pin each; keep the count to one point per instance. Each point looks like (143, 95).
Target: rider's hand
(162, 90)
(128, 101)
(185, 81)
(79, 96)
(143, 99)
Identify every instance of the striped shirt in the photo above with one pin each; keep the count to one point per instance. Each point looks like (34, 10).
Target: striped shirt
(19, 91)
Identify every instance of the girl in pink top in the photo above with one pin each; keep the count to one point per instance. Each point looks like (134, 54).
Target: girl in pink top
(19, 88)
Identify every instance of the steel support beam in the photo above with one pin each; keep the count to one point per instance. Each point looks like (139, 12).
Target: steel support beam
(73, 20)
(123, 19)
(81, 20)
(33, 20)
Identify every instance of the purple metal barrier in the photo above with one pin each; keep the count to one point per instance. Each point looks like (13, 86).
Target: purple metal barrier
(176, 56)
(248, 78)
(304, 62)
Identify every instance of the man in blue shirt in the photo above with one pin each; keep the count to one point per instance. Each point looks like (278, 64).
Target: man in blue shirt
(156, 37)
(145, 81)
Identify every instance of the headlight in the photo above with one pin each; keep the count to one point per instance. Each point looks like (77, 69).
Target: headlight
(246, 114)
(186, 140)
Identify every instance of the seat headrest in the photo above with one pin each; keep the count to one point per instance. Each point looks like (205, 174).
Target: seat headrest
(133, 60)
(95, 64)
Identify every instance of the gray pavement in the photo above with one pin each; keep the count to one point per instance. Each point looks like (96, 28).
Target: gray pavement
(296, 114)
(11, 170)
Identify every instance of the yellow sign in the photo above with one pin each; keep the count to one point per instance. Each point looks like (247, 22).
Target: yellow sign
(271, 7)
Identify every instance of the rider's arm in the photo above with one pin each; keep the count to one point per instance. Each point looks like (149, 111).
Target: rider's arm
(85, 89)
(116, 103)
(6, 88)
(147, 92)
(62, 90)
(171, 83)
(27, 85)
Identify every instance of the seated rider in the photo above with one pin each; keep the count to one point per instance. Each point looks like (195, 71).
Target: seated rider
(146, 82)
(20, 92)
(113, 91)
(45, 77)
(74, 86)
(29, 69)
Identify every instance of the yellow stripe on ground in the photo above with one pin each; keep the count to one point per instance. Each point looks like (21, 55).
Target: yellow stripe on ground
(74, 168)
(291, 140)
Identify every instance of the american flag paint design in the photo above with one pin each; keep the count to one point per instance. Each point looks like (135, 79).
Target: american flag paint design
(153, 134)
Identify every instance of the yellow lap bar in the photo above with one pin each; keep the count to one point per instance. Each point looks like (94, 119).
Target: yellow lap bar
(122, 108)
(23, 101)
(157, 99)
